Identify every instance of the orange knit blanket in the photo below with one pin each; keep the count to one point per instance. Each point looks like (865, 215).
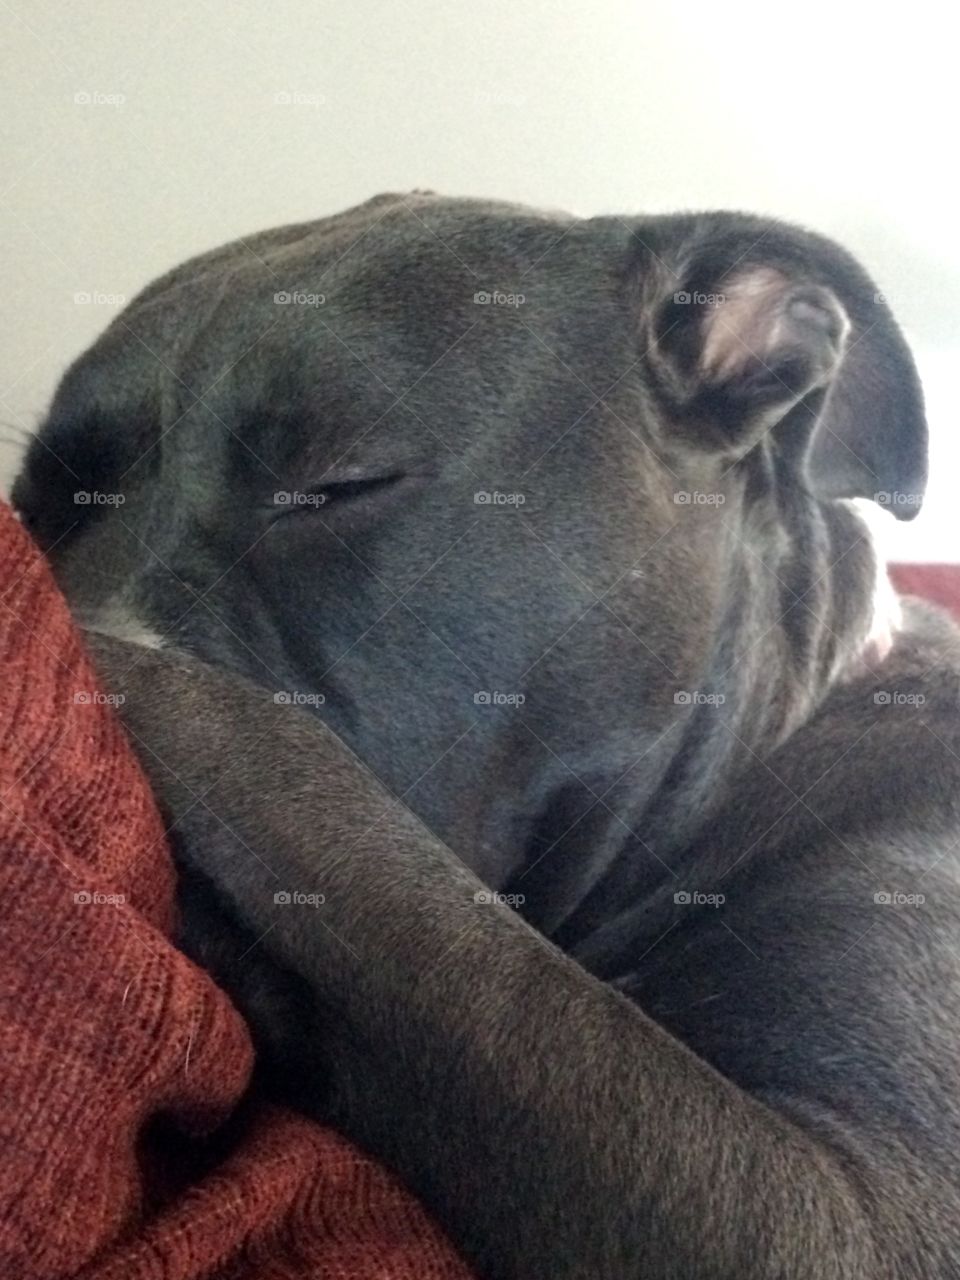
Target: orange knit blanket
(124, 1152)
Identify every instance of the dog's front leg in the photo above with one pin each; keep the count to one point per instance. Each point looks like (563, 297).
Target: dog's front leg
(554, 1129)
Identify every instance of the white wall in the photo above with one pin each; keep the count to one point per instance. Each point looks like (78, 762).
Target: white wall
(842, 117)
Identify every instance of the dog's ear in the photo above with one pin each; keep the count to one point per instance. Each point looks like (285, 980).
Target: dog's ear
(871, 437)
(776, 329)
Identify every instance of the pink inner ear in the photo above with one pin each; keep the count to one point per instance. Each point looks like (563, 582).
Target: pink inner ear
(744, 325)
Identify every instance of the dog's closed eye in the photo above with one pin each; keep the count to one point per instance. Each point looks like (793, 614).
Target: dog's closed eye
(348, 487)
(343, 490)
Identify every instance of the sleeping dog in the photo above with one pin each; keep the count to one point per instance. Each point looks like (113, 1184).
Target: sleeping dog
(560, 790)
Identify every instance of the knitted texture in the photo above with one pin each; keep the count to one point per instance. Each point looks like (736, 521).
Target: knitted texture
(123, 1154)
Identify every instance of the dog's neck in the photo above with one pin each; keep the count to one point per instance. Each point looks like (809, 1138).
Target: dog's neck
(771, 678)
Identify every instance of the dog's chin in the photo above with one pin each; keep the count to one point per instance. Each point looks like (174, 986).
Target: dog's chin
(883, 618)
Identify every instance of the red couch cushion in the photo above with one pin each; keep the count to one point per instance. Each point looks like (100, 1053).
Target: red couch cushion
(937, 582)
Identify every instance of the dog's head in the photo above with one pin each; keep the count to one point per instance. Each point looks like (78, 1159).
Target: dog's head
(524, 504)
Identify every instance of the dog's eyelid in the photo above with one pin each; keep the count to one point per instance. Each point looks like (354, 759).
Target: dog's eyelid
(358, 473)
(344, 486)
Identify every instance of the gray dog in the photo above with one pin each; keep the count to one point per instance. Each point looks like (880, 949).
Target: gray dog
(607, 884)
